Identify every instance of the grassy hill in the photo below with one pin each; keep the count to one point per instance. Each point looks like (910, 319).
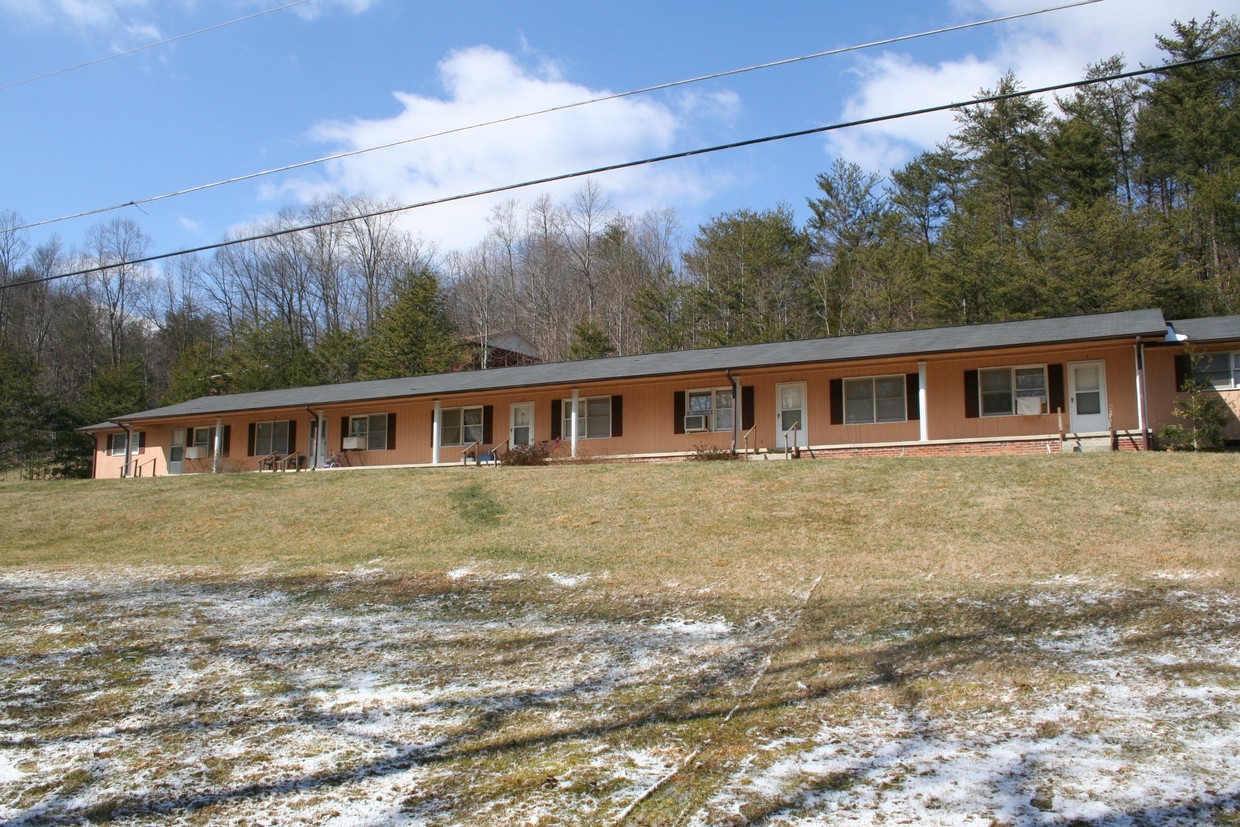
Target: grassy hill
(1011, 640)
(881, 520)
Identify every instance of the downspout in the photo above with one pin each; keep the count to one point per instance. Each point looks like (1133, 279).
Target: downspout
(738, 411)
(1142, 401)
(219, 444)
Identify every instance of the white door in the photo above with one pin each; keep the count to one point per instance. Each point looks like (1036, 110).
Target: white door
(176, 451)
(318, 444)
(790, 419)
(1087, 397)
(521, 427)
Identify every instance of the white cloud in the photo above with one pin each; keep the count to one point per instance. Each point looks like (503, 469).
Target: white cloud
(1041, 50)
(81, 14)
(317, 8)
(484, 85)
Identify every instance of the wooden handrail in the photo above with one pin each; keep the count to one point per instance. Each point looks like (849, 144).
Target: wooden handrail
(745, 439)
(465, 451)
(284, 461)
(268, 460)
(789, 448)
(135, 466)
(506, 445)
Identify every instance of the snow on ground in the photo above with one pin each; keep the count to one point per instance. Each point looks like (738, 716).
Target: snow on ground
(141, 697)
(1145, 738)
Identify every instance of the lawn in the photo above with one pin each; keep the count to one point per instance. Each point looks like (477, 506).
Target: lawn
(991, 641)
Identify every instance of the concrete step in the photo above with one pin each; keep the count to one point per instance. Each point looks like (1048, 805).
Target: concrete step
(1086, 444)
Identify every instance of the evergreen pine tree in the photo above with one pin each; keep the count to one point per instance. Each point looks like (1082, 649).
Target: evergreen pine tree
(413, 335)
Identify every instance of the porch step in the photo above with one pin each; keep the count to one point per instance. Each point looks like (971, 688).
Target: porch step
(1086, 444)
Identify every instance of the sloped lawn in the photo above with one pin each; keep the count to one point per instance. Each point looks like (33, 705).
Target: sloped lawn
(671, 645)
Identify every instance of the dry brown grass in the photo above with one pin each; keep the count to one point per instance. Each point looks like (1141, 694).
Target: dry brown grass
(941, 586)
(864, 522)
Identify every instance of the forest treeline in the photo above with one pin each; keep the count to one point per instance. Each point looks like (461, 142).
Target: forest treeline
(1120, 195)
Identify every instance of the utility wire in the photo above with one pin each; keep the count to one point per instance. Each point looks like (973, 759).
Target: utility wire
(153, 45)
(690, 153)
(509, 119)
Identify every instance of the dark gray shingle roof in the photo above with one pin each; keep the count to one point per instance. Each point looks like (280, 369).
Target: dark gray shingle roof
(1213, 329)
(844, 348)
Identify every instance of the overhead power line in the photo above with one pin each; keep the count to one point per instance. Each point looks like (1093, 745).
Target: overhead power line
(155, 44)
(690, 153)
(511, 118)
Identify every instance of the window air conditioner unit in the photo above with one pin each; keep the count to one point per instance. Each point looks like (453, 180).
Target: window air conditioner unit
(196, 452)
(1029, 405)
(695, 422)
(354, 443)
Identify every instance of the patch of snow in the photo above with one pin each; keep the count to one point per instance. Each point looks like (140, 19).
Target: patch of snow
(691, 627)
(568, 580)
(8, 772)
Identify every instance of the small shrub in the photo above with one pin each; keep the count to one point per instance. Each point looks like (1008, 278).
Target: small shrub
(710, 453)
(1203, 412)
(534, 454)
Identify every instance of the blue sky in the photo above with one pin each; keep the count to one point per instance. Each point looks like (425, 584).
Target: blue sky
(328, 76)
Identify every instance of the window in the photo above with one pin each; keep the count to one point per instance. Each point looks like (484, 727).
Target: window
(372, 428)
(1220, 370)
(593, 417)
(875, 399)
(711, 409)
(117, 443)
(269, 437)
(461, 426)
(201, 438)
(1013, 391)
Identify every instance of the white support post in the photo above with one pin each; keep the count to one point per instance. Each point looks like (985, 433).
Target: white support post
(573, 423)
(219, 445)
(737, 413)
(320, 438)
(922, 396)
(1141, 401)
(436, 433)
(129, 438)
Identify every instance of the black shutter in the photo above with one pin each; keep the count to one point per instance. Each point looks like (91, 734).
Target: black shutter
(249, 449)
(488, 418)
(556, 419)
(617, 416)
(678, 412)
(837, 401)
(292, 437)
(344, 430)
(108, 449)
(912, 393)
(141, 441)
(1183, 370)
(226, 441)
(1054, 387)
(971, 406)
(747, 407)
(391, 446)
